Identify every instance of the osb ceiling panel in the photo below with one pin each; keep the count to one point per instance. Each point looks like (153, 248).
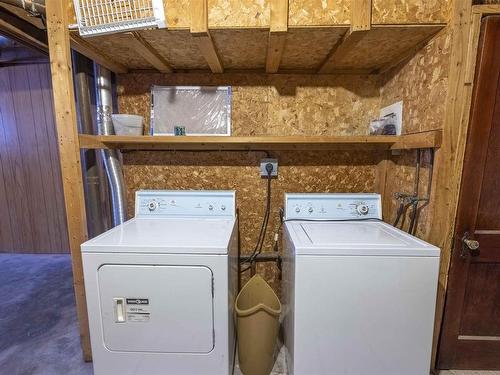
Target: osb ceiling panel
(178, 47)
(241, 49)
(177, 13)
(319, 12)
(307, 48)
(118, 48)
(233, 13)
(382, 45)
(410, 11)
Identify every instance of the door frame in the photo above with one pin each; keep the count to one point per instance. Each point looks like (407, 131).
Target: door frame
(478, 12)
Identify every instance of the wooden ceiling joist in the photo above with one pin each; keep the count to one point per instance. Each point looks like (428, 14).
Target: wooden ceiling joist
(361, 14)
(23, 31)
(277, 34)
(82, 46)
(150, 54)
(199, 30)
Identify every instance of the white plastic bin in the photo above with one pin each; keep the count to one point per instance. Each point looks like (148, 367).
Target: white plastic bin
(127, 124)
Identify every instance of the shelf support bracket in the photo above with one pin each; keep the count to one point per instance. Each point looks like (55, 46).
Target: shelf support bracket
(199, 30)
(277, 34)
(361, 14)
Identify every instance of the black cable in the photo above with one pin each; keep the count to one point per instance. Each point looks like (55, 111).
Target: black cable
(260, 240)
(263, 229)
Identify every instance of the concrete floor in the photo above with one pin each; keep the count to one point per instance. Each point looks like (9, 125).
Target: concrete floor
(39, 333)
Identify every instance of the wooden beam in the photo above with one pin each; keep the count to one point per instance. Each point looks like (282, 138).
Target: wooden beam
(277, 34)
(475, 30)
(426, 139)
(199, 30)
(82, 46)
(389, 142)
(449, 158)
(69, 153)
(18, 29)
(347, 43)
(486, 9)
(149, 54)
(361, 13)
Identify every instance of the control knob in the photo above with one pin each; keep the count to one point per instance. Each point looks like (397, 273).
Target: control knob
(153, 205)
(362, 209)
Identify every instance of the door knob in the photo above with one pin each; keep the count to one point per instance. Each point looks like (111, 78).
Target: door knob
(469, 246)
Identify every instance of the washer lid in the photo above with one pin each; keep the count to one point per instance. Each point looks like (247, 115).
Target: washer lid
(166, 235)
(355, 238)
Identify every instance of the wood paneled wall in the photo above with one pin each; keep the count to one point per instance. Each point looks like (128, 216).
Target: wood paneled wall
(32, 215)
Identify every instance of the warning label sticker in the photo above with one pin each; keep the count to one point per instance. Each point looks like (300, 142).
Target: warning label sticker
(138, 310)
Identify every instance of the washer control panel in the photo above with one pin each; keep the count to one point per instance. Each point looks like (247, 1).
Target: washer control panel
(333, 206)
(167, 203)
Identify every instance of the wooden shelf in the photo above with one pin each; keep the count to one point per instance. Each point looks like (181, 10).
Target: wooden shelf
(431, 139)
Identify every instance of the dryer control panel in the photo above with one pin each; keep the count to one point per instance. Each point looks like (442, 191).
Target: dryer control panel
(333, 206)
(173, 203)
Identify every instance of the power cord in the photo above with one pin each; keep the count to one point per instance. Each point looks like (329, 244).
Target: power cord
(263, 228)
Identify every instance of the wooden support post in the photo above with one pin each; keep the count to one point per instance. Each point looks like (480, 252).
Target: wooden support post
(361, 14)
(277, 34)
(449, 158)
(69, 152)
(199, 30)
(149, 54)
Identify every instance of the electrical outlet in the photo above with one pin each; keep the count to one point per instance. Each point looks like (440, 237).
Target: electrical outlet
(395, 109)
(263, 170)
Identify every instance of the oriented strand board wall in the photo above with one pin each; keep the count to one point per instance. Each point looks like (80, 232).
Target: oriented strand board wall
(262, 105)
(273, 104)
(422, 84)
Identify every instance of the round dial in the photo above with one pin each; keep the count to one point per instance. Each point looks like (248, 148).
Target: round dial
(362, 209)
(153, 205)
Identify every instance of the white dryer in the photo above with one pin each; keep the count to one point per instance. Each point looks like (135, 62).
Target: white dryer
(160, 288)
(359, 295)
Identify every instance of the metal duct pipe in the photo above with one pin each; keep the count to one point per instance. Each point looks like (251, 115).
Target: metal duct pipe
(111, 158)
(92, 166)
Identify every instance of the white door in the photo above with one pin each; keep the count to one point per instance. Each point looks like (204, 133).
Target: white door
(154, 308)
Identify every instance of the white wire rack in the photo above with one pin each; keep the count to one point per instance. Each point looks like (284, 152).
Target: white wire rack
(97, 17)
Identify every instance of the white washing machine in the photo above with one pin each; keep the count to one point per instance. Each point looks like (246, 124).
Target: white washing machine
(359, 295)
(161, 287)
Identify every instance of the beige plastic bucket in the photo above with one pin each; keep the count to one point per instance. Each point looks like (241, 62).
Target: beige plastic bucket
(257, 310)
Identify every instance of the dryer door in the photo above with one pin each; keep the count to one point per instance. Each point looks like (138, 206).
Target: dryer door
(155, 308)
